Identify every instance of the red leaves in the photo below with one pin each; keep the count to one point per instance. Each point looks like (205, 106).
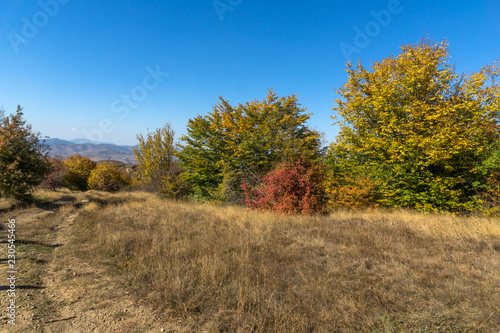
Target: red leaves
(289, 189)
(55, 178)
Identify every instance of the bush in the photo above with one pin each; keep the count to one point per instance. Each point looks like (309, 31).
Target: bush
(289, 189)
(56, 176)
(108, 177)
(23, 162)
(79, 169)
(172, 184)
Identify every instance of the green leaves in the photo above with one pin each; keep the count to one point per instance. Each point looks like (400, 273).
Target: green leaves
(23, 162)
(231, 144)
(419, 128)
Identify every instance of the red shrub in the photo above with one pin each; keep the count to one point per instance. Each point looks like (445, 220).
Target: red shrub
(289, 189)
(56, 176)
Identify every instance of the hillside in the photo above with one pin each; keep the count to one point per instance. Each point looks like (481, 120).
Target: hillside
(92, 150)
(129, 262)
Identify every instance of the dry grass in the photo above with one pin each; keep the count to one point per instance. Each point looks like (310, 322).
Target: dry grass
(228, 269)
(6, 203)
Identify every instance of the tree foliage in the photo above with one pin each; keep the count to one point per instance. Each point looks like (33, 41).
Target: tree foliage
(156, 161)
(418, 127)
(107, 177)
(349, 185)
(78, 172)
(23, 162)
(234, 144)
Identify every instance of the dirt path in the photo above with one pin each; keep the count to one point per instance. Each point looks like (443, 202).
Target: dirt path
(57, 290)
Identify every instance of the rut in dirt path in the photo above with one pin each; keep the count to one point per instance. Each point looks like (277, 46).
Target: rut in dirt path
(68, 290)
(36, 229)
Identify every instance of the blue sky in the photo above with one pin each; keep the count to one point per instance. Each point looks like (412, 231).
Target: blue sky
(108, 70)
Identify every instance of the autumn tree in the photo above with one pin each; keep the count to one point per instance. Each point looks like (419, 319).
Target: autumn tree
(78, 172)
(489, 190)
(348, 184)
(107, 177)
(417, 128)
(23, 158)
(232, 144)
(155, 155)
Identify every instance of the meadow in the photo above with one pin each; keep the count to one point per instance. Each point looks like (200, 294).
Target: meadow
(213, 268)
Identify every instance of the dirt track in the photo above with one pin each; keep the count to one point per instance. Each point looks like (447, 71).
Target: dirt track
(58, 291)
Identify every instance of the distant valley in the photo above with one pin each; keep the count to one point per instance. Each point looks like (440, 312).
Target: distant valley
(96, 151)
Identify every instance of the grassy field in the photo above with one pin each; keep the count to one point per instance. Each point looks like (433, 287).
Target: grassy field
(226, 269)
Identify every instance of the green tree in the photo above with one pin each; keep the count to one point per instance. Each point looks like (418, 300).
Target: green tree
(23, 158)
(155, 155)
(78, 172)
(419, 128)
(242, 143)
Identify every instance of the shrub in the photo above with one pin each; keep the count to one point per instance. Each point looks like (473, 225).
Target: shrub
(56, 176)
(107, 177)
(173, 185)
(289, 189)
(79, 169)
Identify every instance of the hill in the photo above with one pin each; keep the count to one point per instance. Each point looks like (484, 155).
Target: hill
(94, 150)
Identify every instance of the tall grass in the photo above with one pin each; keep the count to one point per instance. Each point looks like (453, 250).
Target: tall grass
(228, 269)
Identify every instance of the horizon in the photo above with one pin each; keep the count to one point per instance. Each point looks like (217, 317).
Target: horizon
(86, 141)
(107, 72)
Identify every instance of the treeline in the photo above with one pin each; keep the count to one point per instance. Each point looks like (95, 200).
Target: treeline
(413, 133)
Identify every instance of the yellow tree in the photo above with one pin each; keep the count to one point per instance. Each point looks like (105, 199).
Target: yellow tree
(78, 172)
(417, 127)
(155, 155)
(108, 177)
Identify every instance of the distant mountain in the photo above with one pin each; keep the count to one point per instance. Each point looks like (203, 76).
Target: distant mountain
(52, 142)
(84, 141)
(94, 150)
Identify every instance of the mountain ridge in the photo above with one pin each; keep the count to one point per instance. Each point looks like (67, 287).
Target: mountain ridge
(96, 151)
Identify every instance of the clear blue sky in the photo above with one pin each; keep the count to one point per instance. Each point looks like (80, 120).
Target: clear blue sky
(83, 68)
